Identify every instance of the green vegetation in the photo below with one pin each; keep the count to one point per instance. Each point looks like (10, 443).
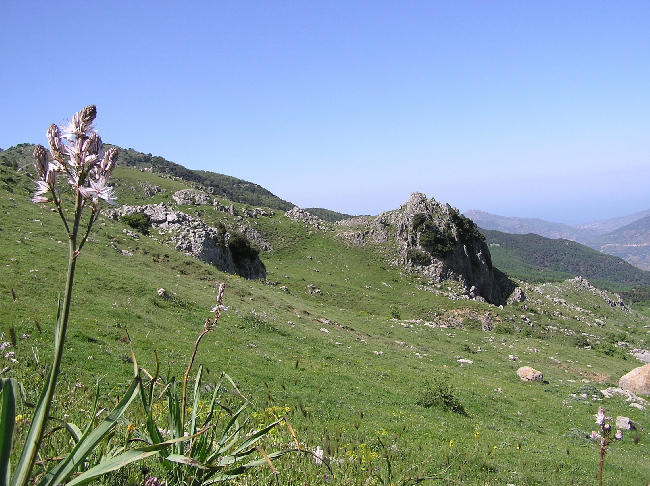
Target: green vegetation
(137, 221)
(538, 259)
(349, 348)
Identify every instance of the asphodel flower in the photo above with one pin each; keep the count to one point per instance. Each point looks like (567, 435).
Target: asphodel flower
(77, 153)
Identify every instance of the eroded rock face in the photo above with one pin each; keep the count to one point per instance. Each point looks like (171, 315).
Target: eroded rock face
(438, 241)
(637, 381)
(229, 252)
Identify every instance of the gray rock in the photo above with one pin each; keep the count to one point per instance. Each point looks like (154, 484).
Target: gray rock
(192, 236)
(623, 423)
(191, 196)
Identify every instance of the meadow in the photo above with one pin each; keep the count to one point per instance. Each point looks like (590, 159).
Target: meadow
(362, 357)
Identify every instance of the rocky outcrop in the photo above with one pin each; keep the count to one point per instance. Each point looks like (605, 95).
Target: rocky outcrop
(300, 215)
(437, 241)
(229, 251)
(191, 196)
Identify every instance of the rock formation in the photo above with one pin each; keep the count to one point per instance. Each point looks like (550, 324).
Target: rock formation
(438, 242)
(229, 251)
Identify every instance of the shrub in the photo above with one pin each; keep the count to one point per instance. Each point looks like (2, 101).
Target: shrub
(241, 247)
(138, 221)
(418, 257)
(440, 394)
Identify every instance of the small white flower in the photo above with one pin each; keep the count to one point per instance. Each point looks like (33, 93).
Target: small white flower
(600, 416)
(318, 456)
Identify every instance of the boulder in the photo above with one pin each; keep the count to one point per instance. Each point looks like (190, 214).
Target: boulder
(528, 373)
(637, 380)
(623, 423)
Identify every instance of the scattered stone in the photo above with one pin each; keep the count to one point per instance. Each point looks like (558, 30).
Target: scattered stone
(623, 423)
(642, 355)
(513, 357)
(465, 361)
(162, 293)
(528, 373)
(637, 380)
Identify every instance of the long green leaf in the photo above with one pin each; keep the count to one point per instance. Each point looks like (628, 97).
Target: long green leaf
(195, 402)
(241, 469)
(7, 422)
(89, 441)
(154, 432)
(32, 442)
(256, 437)
(127, 457)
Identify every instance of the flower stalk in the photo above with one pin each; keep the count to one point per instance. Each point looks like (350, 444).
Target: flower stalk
(208, 326)
(78, 161)
(604, 436)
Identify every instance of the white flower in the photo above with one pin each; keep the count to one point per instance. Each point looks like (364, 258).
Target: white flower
(600, 416)
(99, 189)
(318, 456)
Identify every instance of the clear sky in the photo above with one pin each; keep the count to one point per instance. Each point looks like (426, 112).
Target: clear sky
(519, 108)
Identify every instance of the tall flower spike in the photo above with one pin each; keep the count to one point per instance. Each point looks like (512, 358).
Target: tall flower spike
(40, 161)
(108, 162)
(81, 124)
(56, 145)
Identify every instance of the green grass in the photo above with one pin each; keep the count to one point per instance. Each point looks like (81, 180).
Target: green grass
(349, 372)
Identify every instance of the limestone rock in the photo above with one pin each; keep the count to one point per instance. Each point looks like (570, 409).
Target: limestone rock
(637, 380)
(528, 373)
(227, 250)
(191, 196)
(436, 241)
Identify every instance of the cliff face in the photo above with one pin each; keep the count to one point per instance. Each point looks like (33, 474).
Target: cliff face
(437, 241)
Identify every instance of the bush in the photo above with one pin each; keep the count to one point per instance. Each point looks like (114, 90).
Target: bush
(138, 221)
(439, 393)
(418, 257)
(241, 247)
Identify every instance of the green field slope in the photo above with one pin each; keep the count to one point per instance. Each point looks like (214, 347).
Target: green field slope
(399, 379)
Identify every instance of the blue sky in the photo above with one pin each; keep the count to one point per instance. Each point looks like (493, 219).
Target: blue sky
(519, 108)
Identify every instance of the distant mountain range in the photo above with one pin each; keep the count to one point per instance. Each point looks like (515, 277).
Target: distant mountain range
(627, 237)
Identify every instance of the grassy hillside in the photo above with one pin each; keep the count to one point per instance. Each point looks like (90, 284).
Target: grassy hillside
(348, 345)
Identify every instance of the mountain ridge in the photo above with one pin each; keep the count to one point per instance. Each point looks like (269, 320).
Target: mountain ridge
(627, 237)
